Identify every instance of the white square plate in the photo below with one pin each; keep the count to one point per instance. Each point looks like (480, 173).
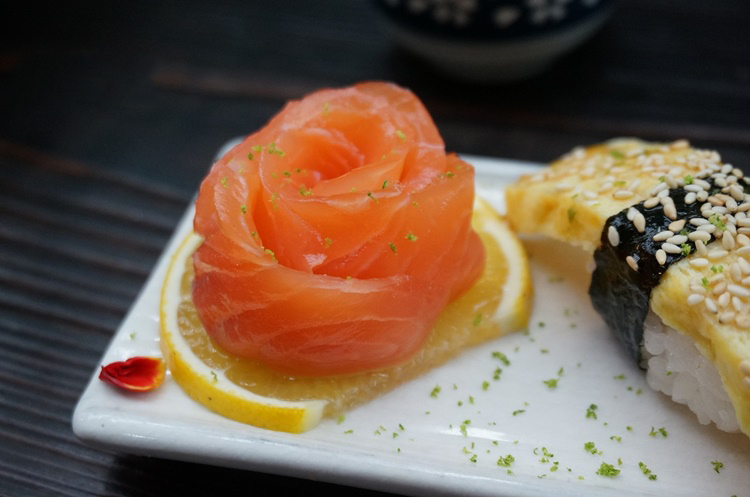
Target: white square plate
(413, 443)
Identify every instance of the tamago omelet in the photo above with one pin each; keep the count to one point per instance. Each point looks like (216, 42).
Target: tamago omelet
(670, 234)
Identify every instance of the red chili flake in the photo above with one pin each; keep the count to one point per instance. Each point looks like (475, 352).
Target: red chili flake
(137, 374)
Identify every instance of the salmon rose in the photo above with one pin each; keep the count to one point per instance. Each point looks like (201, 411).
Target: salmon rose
(335, 235)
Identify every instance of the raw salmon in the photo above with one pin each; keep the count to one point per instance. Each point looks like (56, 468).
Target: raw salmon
(335, 235)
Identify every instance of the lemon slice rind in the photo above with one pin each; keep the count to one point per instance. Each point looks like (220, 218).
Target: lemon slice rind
(212, 388)
(514, 308)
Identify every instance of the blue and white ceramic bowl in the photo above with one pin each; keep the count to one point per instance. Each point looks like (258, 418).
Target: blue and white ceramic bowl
(493, 40)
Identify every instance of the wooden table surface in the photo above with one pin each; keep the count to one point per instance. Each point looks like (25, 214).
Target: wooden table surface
(111, 112)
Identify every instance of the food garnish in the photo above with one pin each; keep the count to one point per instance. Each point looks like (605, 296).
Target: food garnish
(328, 309)
(136, 374)
(607, 470)
(647, 472)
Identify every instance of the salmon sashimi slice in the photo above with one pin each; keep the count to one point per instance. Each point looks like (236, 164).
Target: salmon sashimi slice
(335, 235)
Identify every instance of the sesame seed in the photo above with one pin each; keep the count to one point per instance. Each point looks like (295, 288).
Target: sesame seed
(606, 186)
(699, 235)
(715, 255)
(663, 194)
(614, 236)
(736, 304)
(723, 299)
(699, 262)
(661, 257)
(745, 367)
(738, 291)
(724, 198)
(589, 195)
(743, 221)
(736, 271)
(702, 183)
(693, 188)
(670, 211)
(699, 221)
(578, 153)
(663, 235)
(659, 188)
(720, 287)
(711, 305)
(670, 181)
(726, 168)
(727, 240)
(639, 222)
(651, 202)
(727, 317)
(622, 194)
(698, 288)
(717, 278)
(744, 266)
(562, 187)
(694, 299)
(736, 192)
(720, 181)
(670, 248)
(632, 262)
(744, 250)
(677, 239)
(631, 213)
(719, 209)
(700, 248)
(701, 196)
(708, 228)
(690, 198)
(676, 226)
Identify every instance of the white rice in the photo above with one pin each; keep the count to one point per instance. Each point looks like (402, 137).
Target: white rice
(677, 368)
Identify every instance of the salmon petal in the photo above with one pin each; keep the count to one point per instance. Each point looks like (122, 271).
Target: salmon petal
(335, 235)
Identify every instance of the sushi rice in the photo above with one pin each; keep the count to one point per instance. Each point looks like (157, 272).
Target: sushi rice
(660, 289)
(677, 368)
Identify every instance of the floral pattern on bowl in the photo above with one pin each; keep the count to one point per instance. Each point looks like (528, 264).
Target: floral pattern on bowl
(488, 19)
(489, 40)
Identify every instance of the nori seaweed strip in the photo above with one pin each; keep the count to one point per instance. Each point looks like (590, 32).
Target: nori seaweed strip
(621, 295)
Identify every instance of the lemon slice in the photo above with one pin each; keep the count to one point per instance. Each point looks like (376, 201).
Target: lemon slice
(498, 303)
(506, 258)
(210, 386)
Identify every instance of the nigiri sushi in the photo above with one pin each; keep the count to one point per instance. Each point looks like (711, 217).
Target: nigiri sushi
(669, 230)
